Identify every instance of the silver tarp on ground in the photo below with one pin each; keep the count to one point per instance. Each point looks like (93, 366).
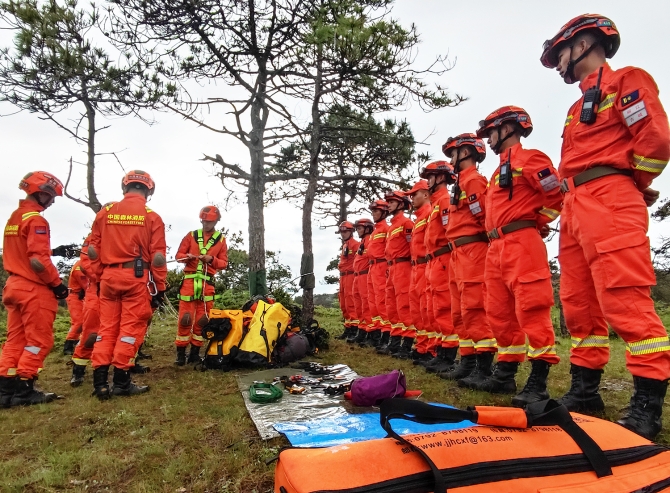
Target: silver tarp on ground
(312, 404)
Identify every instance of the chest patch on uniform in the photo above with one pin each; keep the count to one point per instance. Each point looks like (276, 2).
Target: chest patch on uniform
(630, 98)
(547, 180)
(445, 217)
(40, 230)
(475, 208)
(635, 113)
(472, 198)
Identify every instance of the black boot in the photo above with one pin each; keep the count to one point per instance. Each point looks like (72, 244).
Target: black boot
(123, 385)
(26, 395)
(373, 339)
(433, 360)
(646, 405)
(68, 346)
(346, 333)
(354, 335)
(392, 347)
(383, 341)
(181, 356)
(78, 372)
(418, 358)
(482, 371)
(583, 396)
(100, 383)
(405, 350)
(7, 390)
(536, 387)
(361, 337)
(194, 354)
(141, 355)
(138, 369)
(461, 370)
(501, 380)
(447, 360)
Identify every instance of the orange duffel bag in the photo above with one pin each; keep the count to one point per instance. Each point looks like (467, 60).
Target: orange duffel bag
(543, 449)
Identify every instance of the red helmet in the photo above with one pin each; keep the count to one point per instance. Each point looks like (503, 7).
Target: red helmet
(398, 196)
(419, 185)
(210, 213)
(365, 222)
(599, 23)
(437, 168)
(506, 114)
(454, 143)
(139, 176)
(380, 205)
(41, 181)
(344, 227)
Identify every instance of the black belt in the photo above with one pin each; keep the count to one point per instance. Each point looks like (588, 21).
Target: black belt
(399, 259)
(420, 260)
(592, 174)
(465, 240)
(377, 260)
(495, 233)
(440, 251)
(360, 273)
(346, 272)
(127, 265)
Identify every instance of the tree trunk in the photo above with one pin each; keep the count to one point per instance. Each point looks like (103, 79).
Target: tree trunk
(256, 191)
(308, 279)
(93, 201)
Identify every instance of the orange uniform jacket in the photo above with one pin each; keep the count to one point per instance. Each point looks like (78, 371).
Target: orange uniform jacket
(376, 245)
(360, 288)
(346, 268)
(422, 318)
(418, 245)
(362, 257)
(347, 254)
(377, 277)
(630, 132)
(131, 229)
(536, 193)
(435, 236)
(467, 217)
(399, 237)
(78, 280)
(27, 239)
(219, 253)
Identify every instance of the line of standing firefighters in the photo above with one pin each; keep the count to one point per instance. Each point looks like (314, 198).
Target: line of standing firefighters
(470, 274)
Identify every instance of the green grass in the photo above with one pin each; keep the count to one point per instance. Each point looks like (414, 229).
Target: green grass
(191, 432)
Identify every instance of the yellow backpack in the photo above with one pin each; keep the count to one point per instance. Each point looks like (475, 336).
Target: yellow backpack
(268, 325)
(223, 334)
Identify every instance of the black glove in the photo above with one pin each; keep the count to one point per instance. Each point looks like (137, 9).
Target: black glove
(60, 251)
(81, 294)
(60, 291)
(157, 299)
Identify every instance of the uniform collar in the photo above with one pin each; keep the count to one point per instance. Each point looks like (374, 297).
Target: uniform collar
(514, 150)
(30, 205)
(592, 78)
(134, 197)
(398, 218)
(464, 174)
(424, 210)
(439, 194)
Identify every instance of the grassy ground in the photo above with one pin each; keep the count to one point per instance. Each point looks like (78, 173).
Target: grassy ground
(191, 432)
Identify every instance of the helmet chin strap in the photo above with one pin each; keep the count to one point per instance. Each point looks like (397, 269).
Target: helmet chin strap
(499, 143)
(40, 202)
(569, 76)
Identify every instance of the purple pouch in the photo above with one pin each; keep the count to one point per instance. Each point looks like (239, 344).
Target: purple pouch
(370, 391)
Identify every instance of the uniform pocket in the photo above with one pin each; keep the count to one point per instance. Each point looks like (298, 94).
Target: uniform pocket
(534, 290)
(626, 260)
(473, 295)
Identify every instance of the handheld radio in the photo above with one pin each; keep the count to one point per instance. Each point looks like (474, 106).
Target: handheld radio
(591, 102)
(138, 265)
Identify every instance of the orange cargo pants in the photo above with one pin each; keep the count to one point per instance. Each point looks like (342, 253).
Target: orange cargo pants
(31, 311)
(125, 310)
(90, 328)
(193, 315)
(377, 296)
(76, 308)
(397, 299)
(468, 292)
(346, 298)
(606, 274)
(362, 304)
(519, 297)
(438, 277)
(418, 308)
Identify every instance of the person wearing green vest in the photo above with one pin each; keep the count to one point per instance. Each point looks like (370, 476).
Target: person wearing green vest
(204, 252)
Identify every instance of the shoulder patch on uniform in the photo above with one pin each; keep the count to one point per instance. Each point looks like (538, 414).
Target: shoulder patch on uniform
(472, 197)
(544, 173)
(40, 230)
(629, 98)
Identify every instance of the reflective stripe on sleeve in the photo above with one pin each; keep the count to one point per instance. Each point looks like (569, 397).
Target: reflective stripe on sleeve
(550, 213)
(607, 102)
(648, 164)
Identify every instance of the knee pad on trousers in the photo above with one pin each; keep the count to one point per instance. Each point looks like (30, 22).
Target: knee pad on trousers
(90, 340)
(202, 321)
(185, 320)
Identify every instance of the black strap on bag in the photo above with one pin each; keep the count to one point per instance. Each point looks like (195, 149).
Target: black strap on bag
(543, 413)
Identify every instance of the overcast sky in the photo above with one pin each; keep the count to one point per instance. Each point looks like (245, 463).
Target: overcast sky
(496, 47)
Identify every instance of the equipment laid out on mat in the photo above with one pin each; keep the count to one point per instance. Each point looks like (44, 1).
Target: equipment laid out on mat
(543, 448)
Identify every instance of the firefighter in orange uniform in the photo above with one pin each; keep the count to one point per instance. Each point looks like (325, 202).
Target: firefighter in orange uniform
(611, 153)
(422, 319)
(399, 273)
(361, 269)
(346, 268)
(204, 252)
(75, 305)
(127, 253)
(523, 197)
(376, 247)
(440, 174)
(90, 319)
(467, 233)
(30, 294)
